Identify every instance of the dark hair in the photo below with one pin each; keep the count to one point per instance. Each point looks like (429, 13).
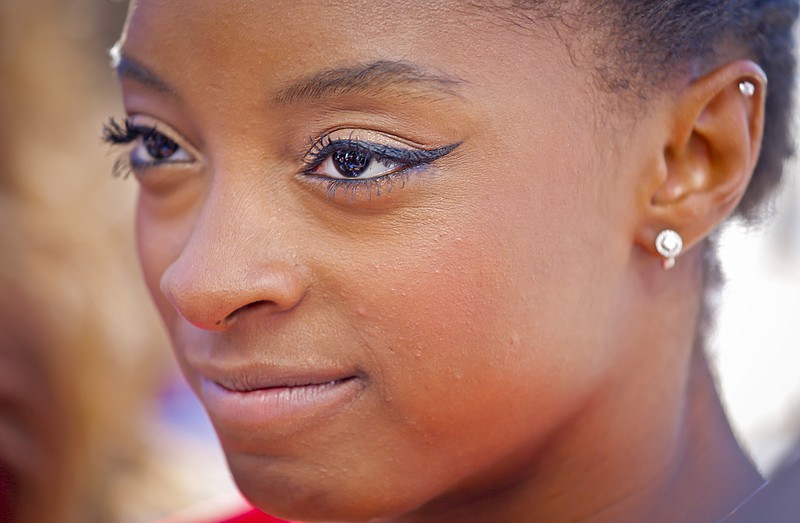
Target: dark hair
(645, 44)
(653, 38)
(638, 48)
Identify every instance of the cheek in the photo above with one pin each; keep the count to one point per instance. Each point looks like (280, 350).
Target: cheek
(159, 241)
(475, 325)
(154, 256)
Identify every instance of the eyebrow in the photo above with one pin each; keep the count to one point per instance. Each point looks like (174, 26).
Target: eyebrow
(127, 67)
(372, 78)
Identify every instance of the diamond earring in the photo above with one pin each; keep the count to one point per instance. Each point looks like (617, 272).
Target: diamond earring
(747, 88)
(669, 244)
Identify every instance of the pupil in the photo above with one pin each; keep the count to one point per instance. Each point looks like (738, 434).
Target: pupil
(350, 162)
(159, 146)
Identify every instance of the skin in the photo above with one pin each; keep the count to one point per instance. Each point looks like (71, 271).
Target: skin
(519, 354)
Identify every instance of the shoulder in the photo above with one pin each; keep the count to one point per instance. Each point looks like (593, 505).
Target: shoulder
(777, 501)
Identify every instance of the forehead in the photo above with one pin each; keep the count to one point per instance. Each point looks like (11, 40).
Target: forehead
(284, 39)
(319, 18)
(305, 28)
(228, 61)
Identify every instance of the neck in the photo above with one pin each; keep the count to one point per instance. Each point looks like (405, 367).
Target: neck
(713, 475)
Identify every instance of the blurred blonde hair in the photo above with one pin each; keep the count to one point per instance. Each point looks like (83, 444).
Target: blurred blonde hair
(68, 261)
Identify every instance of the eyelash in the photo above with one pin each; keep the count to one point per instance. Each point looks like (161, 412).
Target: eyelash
(115, 134)
(123, 133)
(406, 159)
(119, 134)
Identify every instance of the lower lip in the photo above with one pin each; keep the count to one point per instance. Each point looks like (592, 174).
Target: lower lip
(277, 407)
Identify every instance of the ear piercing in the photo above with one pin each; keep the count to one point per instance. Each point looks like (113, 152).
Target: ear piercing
(747, 88)
(669, 244)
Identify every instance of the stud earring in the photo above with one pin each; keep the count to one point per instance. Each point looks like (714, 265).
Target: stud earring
(747, 88)
(669, 244)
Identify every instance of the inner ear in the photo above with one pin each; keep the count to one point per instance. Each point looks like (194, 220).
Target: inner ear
(710, 152)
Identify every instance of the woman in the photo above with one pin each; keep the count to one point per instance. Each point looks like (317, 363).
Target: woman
(412, 255)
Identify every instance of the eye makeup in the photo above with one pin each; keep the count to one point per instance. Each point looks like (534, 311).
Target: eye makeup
(360, 163)
(364, 167)
(153, 146)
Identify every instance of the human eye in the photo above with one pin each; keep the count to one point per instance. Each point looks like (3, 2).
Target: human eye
(351, 159)
(152, 144)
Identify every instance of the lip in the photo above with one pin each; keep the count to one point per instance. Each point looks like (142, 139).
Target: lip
(284, 402)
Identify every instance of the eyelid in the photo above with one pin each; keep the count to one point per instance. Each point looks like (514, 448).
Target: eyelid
(356, 136)
(407, 160)
(130, 135)
(379, 144)
(404, 161)
(142, 121)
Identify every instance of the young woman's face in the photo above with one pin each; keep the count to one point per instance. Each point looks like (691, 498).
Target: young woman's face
(385, 238)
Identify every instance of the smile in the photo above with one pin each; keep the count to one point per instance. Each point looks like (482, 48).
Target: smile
(285, 404)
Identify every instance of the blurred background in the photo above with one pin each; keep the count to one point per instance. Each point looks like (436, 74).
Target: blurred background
(96, 426)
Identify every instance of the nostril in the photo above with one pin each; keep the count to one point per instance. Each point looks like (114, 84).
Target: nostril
(249, 307)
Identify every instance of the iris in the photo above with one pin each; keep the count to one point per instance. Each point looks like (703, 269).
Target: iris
(350, 162)
(158, 146)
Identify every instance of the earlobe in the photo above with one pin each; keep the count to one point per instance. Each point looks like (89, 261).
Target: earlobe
(709, 154)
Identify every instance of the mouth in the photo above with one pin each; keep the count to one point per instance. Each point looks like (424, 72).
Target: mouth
(285, 402)
(251, 382)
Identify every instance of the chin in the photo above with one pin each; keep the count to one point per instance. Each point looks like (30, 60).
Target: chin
(312, 495)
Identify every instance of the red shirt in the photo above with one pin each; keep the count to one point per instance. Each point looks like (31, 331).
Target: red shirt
(253, 516)
(226, 509)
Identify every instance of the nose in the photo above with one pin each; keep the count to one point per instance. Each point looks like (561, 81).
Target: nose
(238, 257)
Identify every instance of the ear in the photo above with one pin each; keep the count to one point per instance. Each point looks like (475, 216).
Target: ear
(709, 154)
